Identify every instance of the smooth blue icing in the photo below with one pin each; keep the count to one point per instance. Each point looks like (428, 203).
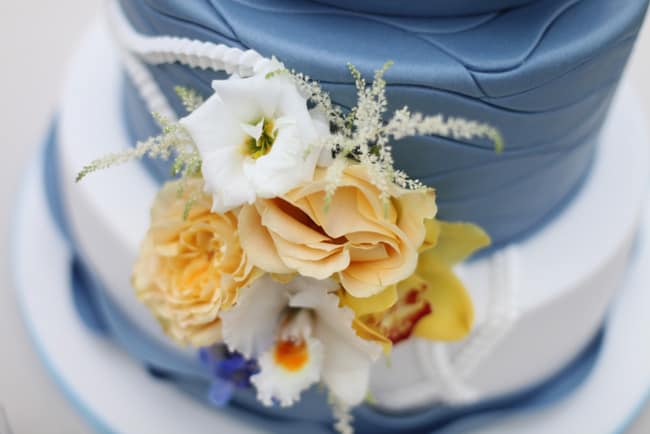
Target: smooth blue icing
(543, 72)
(311, 414)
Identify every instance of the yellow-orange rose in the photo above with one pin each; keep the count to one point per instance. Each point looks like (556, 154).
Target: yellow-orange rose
(368, 243)
(189, 269)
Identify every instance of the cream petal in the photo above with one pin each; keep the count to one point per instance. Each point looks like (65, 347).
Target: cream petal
(206, 336)
(319, 264)
(359, 288)
(363, 279)
(340, 218)
(414, 208)
(371, 253)
(258, 244)
(289, 227)
(361, 239)
(307, 251)
(321, 269)
(250, 326)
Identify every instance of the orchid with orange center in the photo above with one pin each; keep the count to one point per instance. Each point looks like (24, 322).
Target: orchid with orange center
(301, 336)
(366, 242)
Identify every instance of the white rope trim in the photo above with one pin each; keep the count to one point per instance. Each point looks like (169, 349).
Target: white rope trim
(502, 312)
(147, 87)
(450, 374)
(156, 50)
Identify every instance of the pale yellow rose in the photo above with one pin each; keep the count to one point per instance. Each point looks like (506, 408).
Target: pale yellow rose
(190, 269)
(368, 243)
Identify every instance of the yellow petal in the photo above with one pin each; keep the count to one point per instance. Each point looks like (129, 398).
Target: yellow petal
(373, 304)
(414, 208)
(369, 334)
(456, 241)
(431, 235)
(453, 314)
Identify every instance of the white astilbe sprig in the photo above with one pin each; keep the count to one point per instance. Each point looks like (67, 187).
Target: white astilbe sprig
(190, 98)
(406, 124)
(174, 141)
(342, 415)
(364, 135)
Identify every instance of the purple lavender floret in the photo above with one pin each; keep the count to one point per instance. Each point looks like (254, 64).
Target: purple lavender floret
(229, 371)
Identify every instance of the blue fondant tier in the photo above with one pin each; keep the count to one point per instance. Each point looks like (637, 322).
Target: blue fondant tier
(543, 72)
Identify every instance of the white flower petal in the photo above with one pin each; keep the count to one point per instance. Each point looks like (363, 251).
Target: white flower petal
(250, 327)
(275, 381)
(293, 105)
(213, 126)
(225, 179)
(322, 126)
(285, 167)
(255, 131)
(348, 358)
(308, 292)
(249, 98)
(325, 157)
(347, 362)
(225, 121)
(218, 137)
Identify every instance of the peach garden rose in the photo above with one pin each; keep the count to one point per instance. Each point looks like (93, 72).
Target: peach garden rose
(190, 269)
(364, 241)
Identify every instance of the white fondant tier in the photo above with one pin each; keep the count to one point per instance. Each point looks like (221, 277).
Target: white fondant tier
(557, 284)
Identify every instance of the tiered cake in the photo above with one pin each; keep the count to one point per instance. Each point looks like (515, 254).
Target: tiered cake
(562, 211)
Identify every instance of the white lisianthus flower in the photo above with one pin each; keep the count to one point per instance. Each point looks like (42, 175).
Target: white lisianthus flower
(300, 336)
(256, 138)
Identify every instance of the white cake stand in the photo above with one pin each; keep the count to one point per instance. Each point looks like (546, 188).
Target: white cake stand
(116, 394)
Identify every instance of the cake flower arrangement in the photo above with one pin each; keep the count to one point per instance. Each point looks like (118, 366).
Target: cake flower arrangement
(288, 247)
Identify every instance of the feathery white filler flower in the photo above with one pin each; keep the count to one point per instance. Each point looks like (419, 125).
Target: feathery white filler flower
(256, 137)
(301, 336)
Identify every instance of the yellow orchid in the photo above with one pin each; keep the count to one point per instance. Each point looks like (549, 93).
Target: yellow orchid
(433, 303)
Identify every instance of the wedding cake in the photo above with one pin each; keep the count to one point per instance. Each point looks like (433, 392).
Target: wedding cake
(560, 198)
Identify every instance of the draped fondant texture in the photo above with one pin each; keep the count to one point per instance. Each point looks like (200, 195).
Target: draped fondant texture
(542, 72)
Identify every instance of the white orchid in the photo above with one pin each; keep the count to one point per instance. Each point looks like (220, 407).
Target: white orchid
(256, 138)
(300, 336)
